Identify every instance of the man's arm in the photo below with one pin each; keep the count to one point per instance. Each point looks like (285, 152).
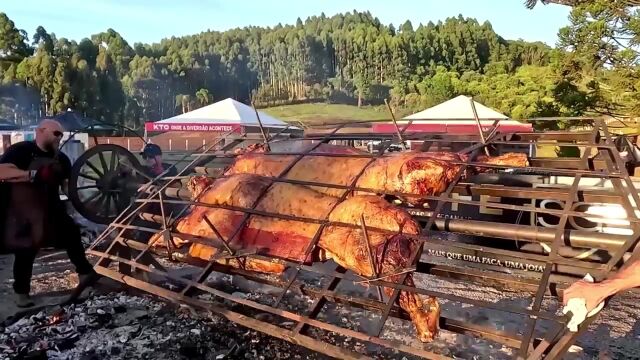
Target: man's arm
(10, 169)
(10, 173)
(595, 293)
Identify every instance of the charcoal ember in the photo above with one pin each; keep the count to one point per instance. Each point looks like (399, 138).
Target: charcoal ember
(115, 350)
(35, 355)
(192, 348)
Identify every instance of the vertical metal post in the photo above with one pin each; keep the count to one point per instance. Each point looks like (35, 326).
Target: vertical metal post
(264, 134)
(475, 115)
(395, 124)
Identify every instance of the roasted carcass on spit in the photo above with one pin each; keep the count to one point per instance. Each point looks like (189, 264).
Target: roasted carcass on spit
(415, 173)
(389, 233)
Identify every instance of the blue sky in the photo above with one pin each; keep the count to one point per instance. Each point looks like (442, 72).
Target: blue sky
(151, 20)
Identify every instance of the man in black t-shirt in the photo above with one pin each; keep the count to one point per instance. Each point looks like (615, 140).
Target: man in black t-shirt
(32, 173)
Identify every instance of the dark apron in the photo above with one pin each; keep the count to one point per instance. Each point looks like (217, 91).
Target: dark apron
(26, 219)
(29, 215)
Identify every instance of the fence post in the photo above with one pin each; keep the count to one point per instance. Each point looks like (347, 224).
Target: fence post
(169, 144)
(108, 141)
(186, 144)
(128, 144)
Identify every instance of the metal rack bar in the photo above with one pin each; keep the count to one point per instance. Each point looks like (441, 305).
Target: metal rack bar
(579, 265)
(553, 255)
(526, 208)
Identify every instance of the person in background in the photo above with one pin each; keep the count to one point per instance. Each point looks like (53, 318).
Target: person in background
(33, 172)
(595, 293)
(152, 155)
(154, 167)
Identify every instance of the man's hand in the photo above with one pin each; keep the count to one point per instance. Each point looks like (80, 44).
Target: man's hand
(593, 293)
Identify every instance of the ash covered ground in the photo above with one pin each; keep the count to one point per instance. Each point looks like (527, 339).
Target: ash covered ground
(121, 324)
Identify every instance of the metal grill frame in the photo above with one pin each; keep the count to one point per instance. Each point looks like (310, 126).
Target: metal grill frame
(130, 254)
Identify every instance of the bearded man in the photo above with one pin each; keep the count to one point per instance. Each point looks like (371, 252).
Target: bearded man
(32, 214)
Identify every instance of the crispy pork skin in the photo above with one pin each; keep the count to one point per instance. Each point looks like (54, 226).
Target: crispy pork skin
(312, 168)
(409, 173)
(414, 173)
(388, 229)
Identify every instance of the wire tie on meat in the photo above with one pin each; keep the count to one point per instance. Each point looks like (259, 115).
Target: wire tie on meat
(407, 270)
(223, 256)
(374, 269)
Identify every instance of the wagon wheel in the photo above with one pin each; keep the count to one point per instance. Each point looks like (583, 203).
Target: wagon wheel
(103, 182)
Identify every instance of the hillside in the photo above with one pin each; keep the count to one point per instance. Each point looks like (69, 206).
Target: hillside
(321, 113)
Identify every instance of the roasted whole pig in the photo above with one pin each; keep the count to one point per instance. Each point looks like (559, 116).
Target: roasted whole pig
(389, 233)
(414, 173)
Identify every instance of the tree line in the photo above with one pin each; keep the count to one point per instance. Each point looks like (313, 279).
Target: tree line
(347, 58)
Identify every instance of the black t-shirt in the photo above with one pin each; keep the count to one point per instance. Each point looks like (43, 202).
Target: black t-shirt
(26, 155)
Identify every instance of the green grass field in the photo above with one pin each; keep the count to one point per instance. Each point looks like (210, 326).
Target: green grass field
(320, 113)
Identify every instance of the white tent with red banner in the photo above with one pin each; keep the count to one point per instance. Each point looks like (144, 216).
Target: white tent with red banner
(223, 116)
(456, 116)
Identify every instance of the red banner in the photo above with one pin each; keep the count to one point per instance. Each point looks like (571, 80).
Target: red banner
(154, 126)
(450, 128)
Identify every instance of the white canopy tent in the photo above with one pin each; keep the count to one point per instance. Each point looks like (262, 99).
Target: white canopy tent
(222, 116)
(456, 116)
(458, 108)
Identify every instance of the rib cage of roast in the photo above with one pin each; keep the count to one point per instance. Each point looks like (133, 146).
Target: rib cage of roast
(389, 227)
